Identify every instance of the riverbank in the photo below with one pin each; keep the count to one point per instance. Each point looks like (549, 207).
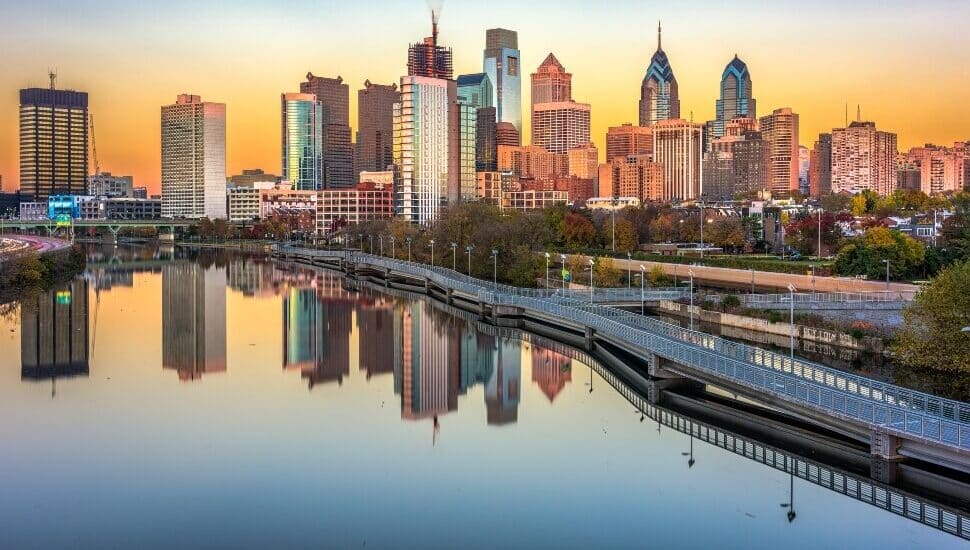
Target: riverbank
(31, 272)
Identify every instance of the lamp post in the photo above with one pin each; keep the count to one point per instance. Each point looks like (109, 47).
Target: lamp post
(380, 239)
(495, 268)
(360, 237)
(643, 282)
(548, 255)
(393, 249)
(751, 269)
(690, 460)
(454, 256)
(690, 272)
(629, 270)
(813, 279)
(431, 244)
(702, 229)
(563, 258)
(371, 238)
(592, 285)
(468, 250)
(408, 240)
(887, 273)
(819, 249)
(791, 329)
(613, 212)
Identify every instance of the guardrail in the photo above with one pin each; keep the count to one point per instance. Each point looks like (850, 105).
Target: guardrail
(879, 405)
(755, 300)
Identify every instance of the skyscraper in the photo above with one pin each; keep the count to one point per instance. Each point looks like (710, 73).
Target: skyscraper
(677, 147)
(427, 58)
(302, 141)
(780, 132)
(375, 125)
(507, 134)
(475, 89)
(421, 147)
(193, 159)
(736, 99)
(338, 151)
(863, 158)
(474, 99)
(820, 170)
(623, 141)
(53, 142)
(486, 140)
(501, 64)
(558, 123)
(632, 176)
(659, 98)
(584, 161)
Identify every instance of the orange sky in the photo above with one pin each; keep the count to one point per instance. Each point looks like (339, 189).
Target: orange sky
(906, 64)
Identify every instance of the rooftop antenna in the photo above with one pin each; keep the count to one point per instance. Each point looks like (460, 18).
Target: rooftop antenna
(435, 7)
(858, 112)
(658, 36)
(52, 74)
(846, 115)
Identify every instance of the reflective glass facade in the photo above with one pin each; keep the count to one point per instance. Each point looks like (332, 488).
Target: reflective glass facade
(502, 65)
(302, 146)
(53, 142)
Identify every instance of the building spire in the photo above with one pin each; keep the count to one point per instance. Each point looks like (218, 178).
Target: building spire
(659, 47)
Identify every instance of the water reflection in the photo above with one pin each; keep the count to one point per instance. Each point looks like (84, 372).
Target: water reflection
(193, 320)
(54, 334)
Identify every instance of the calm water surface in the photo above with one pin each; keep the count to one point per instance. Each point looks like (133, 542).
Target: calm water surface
(239, 404)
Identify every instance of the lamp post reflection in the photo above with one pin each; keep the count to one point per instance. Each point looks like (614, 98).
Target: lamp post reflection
(690, 461)
(790, 505)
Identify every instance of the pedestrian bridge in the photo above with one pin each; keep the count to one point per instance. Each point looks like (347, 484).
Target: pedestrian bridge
(896, 422)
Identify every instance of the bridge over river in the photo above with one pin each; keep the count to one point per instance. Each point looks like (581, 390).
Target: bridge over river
(896, 423)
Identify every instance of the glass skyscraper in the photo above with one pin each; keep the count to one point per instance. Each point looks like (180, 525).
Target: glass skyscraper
(53, 142)
(421, 154)
(659, 97)
(736, 99)
(501, 64)
(302, 141)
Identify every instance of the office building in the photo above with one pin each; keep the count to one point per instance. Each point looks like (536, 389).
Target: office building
(533, 199)
(736, 99)
(53, 142)
(507, 134)
(634, 176)
(583, 161)
(820, 167)
(338, 208)
(735, 165)
(475, 89)
(421, 131)
(559, 127)
(375, 126)
(243, 204)
(249, 178)
(780, 132)
(551, 83)
(532, 162)
(623, 141)
(864, 158)
(302, 140)
(486, 140)
(107, 185)
(194, 159)
(338, 151)
(502, 65)
(462, 123)
(659, 96)
(677, 146)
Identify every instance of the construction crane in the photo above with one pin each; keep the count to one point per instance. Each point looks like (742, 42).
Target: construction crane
(94, 146)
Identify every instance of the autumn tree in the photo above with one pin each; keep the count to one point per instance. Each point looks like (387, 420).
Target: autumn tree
(802, 233)
(726, 232)
(865, 255)
(932, 335)
(577, 232)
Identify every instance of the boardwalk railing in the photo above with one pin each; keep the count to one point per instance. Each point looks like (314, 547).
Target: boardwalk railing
(879, 405)
(756, 300)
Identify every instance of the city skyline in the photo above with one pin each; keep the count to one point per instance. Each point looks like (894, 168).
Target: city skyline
(127, 83)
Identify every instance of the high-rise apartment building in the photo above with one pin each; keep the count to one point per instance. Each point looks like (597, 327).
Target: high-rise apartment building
(677, 147)
(193, 159)
(551, 83)
(532, 162)
(633, 176)
(486, 140)
(820, 167)
(735, 165)
(736, 99)
(659, 96)
(375, 126)
(584, 161)
(942, 169)
(302, 141)
(507, 134)
(462, 124)
(502, 65)
(863, 158)
(428, 59)
(421, 147)
(338, 151)
(623, 141)
(780, 132)
(53, 142)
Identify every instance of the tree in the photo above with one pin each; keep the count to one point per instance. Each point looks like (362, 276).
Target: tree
(865, 255)
(865, 202)
(658, 278)
(577, 232)
(836, 203)
(932, 335)
(607, 275)
(726, 232)
(626, 235)
(802, 233)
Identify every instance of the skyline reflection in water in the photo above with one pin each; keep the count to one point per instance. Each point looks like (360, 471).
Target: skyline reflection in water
(227, 401)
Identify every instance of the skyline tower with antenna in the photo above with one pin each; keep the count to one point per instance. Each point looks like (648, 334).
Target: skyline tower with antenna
(659, 96)
(427, 58)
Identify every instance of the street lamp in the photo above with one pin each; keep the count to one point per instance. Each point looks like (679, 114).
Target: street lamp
(454, 256)
(702, 229)
(643, 282)
(548, 255)
(592, 286)
(563, 258)
(380, 238)
(468, 250)
(371, 238)
(393, 248)
(408, 240)
(629, 270)
(887, 273)
(495, 268)
(613, 211)
(791, 329)
(813, 279)
(360, 237)
(690, 272)
(819, 250)
(431, 244)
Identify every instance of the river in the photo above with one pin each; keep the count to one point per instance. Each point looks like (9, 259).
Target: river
(214, 400)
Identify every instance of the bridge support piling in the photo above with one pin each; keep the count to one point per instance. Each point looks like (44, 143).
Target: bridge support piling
(450, 299)
(885, 446)
(590, 339)
(884, 471)
(656, 369)
(656, 388)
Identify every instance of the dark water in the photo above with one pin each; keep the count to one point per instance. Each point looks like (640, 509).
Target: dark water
(238, 404)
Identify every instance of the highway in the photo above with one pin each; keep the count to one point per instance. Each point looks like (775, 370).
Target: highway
(18, 244)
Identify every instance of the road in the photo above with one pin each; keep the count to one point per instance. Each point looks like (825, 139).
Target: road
(18, 244)
(765, 281)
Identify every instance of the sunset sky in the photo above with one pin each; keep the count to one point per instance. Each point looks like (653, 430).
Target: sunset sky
(907, 63)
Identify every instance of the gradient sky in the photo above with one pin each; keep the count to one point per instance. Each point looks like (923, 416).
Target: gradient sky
(906, 63)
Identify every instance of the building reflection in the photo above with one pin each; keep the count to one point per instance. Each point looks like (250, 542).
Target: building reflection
(375, 328)
(193, 320)
(427, 371)
(551, 371)
(502, 393)
(54, 334)
(317, 323)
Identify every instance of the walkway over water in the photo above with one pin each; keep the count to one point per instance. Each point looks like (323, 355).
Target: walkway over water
(897, 422)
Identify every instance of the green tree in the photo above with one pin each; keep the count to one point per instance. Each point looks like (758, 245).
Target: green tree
(658, 278)
(932, 335)
(865, 255)
(607, 275)
(626, 235)
(577, 232)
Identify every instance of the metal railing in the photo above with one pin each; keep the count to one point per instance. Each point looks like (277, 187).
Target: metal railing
(879, 405)
(827, 298)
